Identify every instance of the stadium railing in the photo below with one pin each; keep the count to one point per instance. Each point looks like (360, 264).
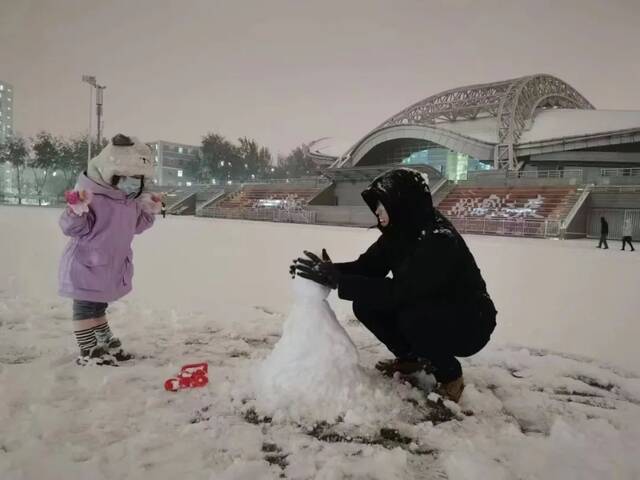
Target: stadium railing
(566, 173)
(507, 226)
(313, 181)
(264, 214)
(620, 172)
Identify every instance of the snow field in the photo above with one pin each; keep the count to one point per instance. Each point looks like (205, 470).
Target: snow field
(217, 291)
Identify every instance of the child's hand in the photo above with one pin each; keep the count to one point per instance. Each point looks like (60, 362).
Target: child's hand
(151, 202)
(158, 197)
(78, 201)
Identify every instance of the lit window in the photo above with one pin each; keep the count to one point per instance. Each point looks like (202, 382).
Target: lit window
(229, 182)
(1, 87)
(180, 173)
(213, 181)
(222, 163)
(55, 173)
(180, 149)
(188, 184)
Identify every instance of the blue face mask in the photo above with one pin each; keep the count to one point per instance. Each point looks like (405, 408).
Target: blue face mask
(132, 186)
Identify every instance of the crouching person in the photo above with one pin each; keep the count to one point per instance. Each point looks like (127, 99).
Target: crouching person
(435, 307)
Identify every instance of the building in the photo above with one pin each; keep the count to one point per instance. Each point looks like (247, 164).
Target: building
(6, 111)
(173, 162)
(528, 156)
(526, 123)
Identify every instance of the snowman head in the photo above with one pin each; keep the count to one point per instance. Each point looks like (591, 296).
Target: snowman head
(308, 290)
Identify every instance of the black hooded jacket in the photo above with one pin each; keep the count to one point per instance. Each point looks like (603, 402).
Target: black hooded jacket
(430, 261)
(604, 227)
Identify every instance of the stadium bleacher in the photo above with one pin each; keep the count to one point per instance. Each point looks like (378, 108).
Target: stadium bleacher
(535, 203)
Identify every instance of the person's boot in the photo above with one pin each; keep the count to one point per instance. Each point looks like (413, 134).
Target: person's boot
(96, 355)
(112, 344)
(405, 366)
(451, 390)
(114, 347)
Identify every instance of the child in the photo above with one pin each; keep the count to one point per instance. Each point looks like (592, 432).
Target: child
(103, 214)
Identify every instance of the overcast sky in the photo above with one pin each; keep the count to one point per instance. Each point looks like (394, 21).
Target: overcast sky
(286, 72)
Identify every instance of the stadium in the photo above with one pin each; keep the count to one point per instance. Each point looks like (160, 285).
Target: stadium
(529, 156)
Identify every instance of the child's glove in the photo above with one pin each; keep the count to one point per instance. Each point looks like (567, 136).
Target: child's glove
(78, 201)
(150, 203)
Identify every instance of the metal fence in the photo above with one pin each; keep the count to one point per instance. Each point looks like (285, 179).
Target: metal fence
(507, 226)
(307, 181)
(615, 188)
(564, 173)
(620, 172)
(32, 200)
(615, 218)
(264, 214)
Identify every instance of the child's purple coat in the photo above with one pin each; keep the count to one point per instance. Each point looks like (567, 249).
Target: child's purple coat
(97, 263)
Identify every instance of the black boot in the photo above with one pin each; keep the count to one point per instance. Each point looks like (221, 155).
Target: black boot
(95, 356)
(405, 366)
(115, 350)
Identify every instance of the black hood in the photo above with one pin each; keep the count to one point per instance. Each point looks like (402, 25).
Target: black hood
(406, 196)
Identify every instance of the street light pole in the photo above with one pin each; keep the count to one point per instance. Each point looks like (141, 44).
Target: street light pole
(99, 89)
(90, 118)
(91, 80)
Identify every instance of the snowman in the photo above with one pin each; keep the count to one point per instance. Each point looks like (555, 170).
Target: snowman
(313, 369)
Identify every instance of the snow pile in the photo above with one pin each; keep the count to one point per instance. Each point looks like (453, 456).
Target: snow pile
(313, 370)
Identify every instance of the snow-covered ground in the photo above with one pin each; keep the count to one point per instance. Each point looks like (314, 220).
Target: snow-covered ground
(555, 395)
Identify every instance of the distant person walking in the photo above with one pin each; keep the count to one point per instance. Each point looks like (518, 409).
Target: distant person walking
(627, 232)
(604, 232)
(163, 210)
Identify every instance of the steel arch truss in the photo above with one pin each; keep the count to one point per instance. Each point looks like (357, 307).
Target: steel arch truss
(512, 102)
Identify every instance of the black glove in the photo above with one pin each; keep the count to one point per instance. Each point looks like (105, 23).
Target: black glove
(319, 270)
(310, 262)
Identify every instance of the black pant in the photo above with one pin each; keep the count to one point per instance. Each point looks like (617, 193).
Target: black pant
(438, 333)
(603, 239)
(626, 240)
(84, 310)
